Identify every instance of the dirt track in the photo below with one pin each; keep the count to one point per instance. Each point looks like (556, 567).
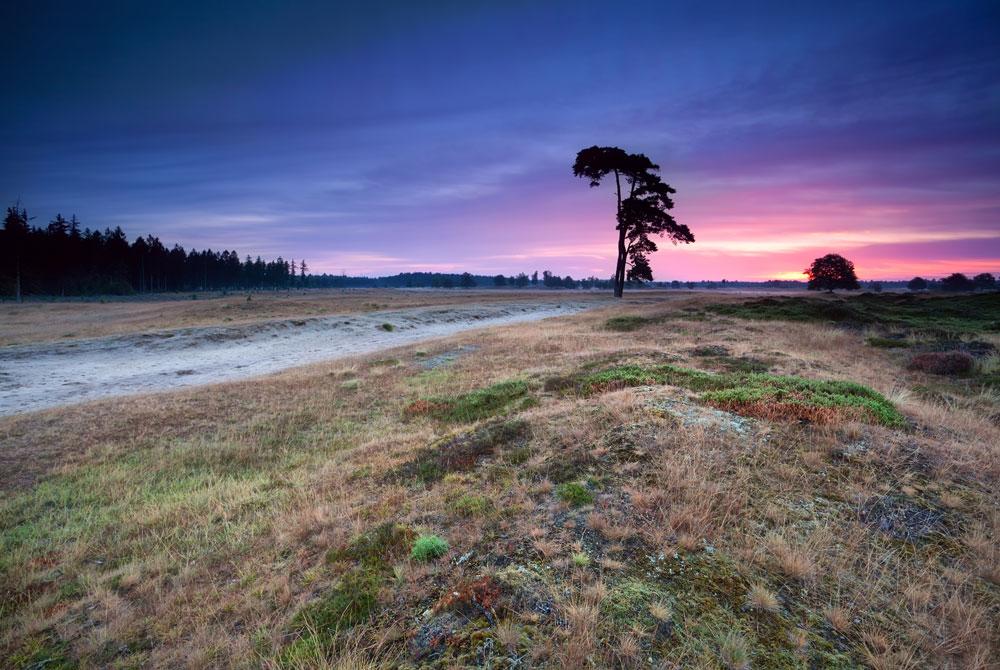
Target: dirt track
(35, 377)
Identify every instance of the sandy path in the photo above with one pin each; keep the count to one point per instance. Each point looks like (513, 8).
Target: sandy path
(34, 377)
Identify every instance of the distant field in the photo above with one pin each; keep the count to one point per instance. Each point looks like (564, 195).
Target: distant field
(675, 481)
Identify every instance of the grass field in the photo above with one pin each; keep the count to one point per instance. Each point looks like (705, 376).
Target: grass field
(675, 481)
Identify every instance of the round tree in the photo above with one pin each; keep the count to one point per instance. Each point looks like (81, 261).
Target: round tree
(985, 281)
(957, 282)
(917, 284)
(831, 272)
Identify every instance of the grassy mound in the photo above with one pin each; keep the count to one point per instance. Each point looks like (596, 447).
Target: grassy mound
(760, 395)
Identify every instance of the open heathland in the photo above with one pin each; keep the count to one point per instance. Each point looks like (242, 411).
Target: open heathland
(677, 480)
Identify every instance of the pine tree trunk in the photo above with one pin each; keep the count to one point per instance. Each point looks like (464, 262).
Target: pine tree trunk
(620, 266)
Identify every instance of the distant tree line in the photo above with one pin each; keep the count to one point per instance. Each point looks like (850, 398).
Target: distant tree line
(459, 280)
(957, 281)
(64, 259)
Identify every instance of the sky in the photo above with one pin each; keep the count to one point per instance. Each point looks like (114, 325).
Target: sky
(378, 137)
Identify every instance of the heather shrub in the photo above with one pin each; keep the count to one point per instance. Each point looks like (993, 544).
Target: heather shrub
(943, 362)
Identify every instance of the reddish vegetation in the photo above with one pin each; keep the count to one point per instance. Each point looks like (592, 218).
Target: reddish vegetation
(423, 408)
(786, 411)
(482, 595)
(943, 362)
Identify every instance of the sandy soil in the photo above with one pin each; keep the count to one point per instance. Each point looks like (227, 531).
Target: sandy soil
(41, 376)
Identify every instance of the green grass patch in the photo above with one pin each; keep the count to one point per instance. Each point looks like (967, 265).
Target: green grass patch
(387, 327)
(937, 315)
(428, 548)
(476, 405)
(575, 494)
(753, 394)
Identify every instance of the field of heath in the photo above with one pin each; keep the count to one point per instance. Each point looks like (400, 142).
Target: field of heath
(673, 481)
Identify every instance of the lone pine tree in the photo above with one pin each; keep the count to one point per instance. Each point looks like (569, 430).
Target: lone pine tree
(642, 203)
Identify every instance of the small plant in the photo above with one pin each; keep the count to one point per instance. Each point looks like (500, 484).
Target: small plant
(733, 651)
(387, 327)
(429, 547)
(761, 598)
(574, 493)
(581, 559)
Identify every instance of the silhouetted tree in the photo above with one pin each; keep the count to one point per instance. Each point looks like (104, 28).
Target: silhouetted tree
(15, 228)
(466, 280)
(917, 284)
(957, 282)
(831, 272)
(534, 278)
(499, 280)
(641, 208)
(985, 281)
(303, 273)
(521, 280)
(550, 281)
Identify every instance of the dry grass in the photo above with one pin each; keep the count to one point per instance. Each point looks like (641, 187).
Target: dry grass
(43, 321)
(193, 529)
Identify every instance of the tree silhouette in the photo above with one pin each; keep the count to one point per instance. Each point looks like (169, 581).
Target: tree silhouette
(917, 284)
(15, 228)
(467, 280)
(957, 282)
(831, 272)
(985, 281)
(499, 280)
(641, 208)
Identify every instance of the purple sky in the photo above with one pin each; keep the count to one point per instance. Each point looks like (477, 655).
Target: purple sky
(400, 137)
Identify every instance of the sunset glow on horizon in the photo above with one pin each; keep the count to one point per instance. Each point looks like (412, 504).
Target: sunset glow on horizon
(440, 138)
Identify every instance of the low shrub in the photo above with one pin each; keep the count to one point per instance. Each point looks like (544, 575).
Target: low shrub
(429, 547)
(387, 327)
(943, 362)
